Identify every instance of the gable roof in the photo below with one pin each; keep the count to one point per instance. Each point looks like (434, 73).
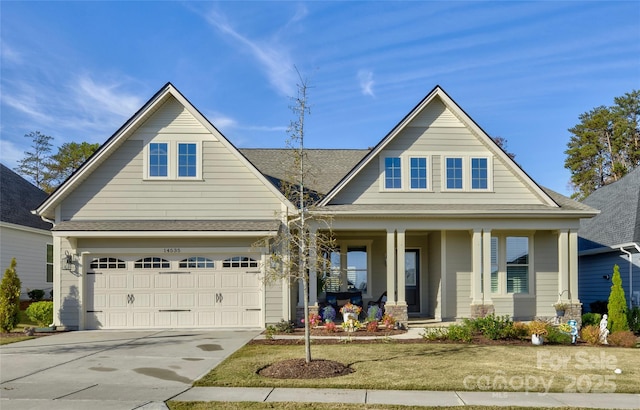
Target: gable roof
(17, 198)
(438, 92)
(127, 129)
(619, 219)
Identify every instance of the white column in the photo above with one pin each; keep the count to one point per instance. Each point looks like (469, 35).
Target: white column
(400, 263)
(391, 267)
(563, 264)
(476, 267)
(313, 281)
(486, 265)
(573, 266)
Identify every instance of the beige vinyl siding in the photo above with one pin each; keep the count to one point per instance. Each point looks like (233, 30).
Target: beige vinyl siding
(458, 297)
(445, 135)
(546, 275)
(29, 247)
(172, 117)
(69, 294)
(273, 302)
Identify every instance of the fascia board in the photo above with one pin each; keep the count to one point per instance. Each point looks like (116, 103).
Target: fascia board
(25, 228)
(163, 234)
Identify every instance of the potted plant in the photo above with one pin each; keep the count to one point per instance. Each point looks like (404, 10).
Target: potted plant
(537, 330)
(350, 311)
(560, 307)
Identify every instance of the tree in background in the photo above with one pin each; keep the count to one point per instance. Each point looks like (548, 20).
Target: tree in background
(617, 307)
(10, 298)
(502, 143)
(69, 158)
(34, 163)
(605, 145)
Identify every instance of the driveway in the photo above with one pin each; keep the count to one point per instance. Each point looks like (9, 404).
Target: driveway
(110, 369)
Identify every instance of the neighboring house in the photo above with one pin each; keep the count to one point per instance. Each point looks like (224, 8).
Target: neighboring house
(611, 238)
(24, 236)
(157, 229)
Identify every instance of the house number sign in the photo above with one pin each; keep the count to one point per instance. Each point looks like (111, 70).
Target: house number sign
(172, 250)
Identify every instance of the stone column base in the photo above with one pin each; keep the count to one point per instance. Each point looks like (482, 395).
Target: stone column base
(300, 313)
(399, 312)
(481, 310)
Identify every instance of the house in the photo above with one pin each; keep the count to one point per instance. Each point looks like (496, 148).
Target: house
(611, 238)
(24, 236)
(157, 229)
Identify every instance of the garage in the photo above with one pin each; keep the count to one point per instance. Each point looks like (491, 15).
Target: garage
(175, 291)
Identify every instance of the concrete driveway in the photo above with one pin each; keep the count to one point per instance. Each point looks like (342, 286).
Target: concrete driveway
(110, 369)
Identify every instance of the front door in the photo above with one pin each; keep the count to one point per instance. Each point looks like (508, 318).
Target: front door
(412, 279)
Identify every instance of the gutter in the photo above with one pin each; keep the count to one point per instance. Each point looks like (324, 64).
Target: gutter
(622, 249)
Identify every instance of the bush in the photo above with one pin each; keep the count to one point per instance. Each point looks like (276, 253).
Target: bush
(374, 313)
(491, 326)
(590, 334)
(617, 307)
(538, 327)
(459, 333)
(591, 319)
(36, 295)
(435, 333)
(285, 326)
(330, 327)
(599, 306)
(10, 298)
(372, 326)
(41, 313)
(622, 338)
(555, 336)
(633, 317)
(517, 330)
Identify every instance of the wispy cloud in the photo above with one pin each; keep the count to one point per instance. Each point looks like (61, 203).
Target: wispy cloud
(105, 98)
(273, 58)
(365, 77)
(10, 55)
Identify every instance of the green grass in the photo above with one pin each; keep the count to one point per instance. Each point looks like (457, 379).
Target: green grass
(198, 405)
(24, 321)
(430, 366)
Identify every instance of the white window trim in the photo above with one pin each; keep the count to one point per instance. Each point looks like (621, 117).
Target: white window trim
(466, 173)
(429, 187)
(344, 247)
(198, 145)
(172, 158)
(502, 264)
(405, 171)
(383, 171)
(489, 159)
(146, 161)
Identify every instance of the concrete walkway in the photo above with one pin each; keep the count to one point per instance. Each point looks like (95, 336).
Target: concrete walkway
(411, 397)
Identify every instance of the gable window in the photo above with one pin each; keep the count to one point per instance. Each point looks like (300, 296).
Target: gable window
(187, 159)
(151, 263)
(510, 264)
(392, 173)
(158, 159)
(49, 263)
(479, 173)
(418, 173)
(107, 263)
(196, 262)
(454, 173)
(240, 262)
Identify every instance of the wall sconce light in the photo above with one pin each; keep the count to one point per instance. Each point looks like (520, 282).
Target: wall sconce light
(68, 261)
(606, 277)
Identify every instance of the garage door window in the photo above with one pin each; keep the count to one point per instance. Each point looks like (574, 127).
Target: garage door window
(240, 262)
(152, 263)
(197, 262)
(107, 263)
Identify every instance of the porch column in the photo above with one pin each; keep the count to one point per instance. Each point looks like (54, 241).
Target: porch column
(391, 267)
(476, 267)
(486, 266)
(563, 264)
(401, 268)
(573, 267)
(313, 281)
(344, 279)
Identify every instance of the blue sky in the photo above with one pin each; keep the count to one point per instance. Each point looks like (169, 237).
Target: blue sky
(523, 71)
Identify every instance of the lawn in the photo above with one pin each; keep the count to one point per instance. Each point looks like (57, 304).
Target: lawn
(431, 366)
(12, 338)
(173, 405)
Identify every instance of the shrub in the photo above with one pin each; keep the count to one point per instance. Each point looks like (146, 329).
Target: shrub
(617, 307)
(517, 330)
(330, 327)
(591, 319)
(268, 333)
(314, 319)
(633, 317)
(10, 298)
(372, 326)
(599, 306)
(622, 338)
(590, 334)
(556, 336)
(374, 313)
(493, 327)
(435, 333)
(36, 295)
(285, 326)
(41, 313)
(459, 333)
(388, 321)
(538, 327)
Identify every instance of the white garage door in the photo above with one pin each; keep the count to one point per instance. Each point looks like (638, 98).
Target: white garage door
(191, 292)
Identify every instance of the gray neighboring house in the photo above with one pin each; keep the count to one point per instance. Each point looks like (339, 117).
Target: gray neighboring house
(612, 237)
(23, 235)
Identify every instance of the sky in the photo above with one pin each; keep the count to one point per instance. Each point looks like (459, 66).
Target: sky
(524, 71)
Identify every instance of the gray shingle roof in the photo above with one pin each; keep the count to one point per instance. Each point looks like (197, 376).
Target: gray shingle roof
(175, 225)
(619, 219)
(18, 197)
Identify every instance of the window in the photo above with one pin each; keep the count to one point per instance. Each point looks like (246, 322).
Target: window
(479, 172)
(187, 159)
(392, 173)
(151, 263)
(357, 272)
(454, 173)
(517, 264)
(196, 262)
(332, 273)
(494, 264)
(107, 263)
(349, 268)
(240, 262)
(418, 173)
(158, 159)
(49, 263)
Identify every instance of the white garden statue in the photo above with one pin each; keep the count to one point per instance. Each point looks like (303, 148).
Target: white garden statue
(604, 332)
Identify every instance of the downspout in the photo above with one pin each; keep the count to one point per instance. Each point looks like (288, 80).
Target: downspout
(630, 276)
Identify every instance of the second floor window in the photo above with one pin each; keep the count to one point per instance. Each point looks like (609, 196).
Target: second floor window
(454, 173)
(187, 159)
(419, 173)
(158, 159)
(392, 173)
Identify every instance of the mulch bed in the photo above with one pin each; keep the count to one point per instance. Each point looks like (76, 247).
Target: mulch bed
(300, 369)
